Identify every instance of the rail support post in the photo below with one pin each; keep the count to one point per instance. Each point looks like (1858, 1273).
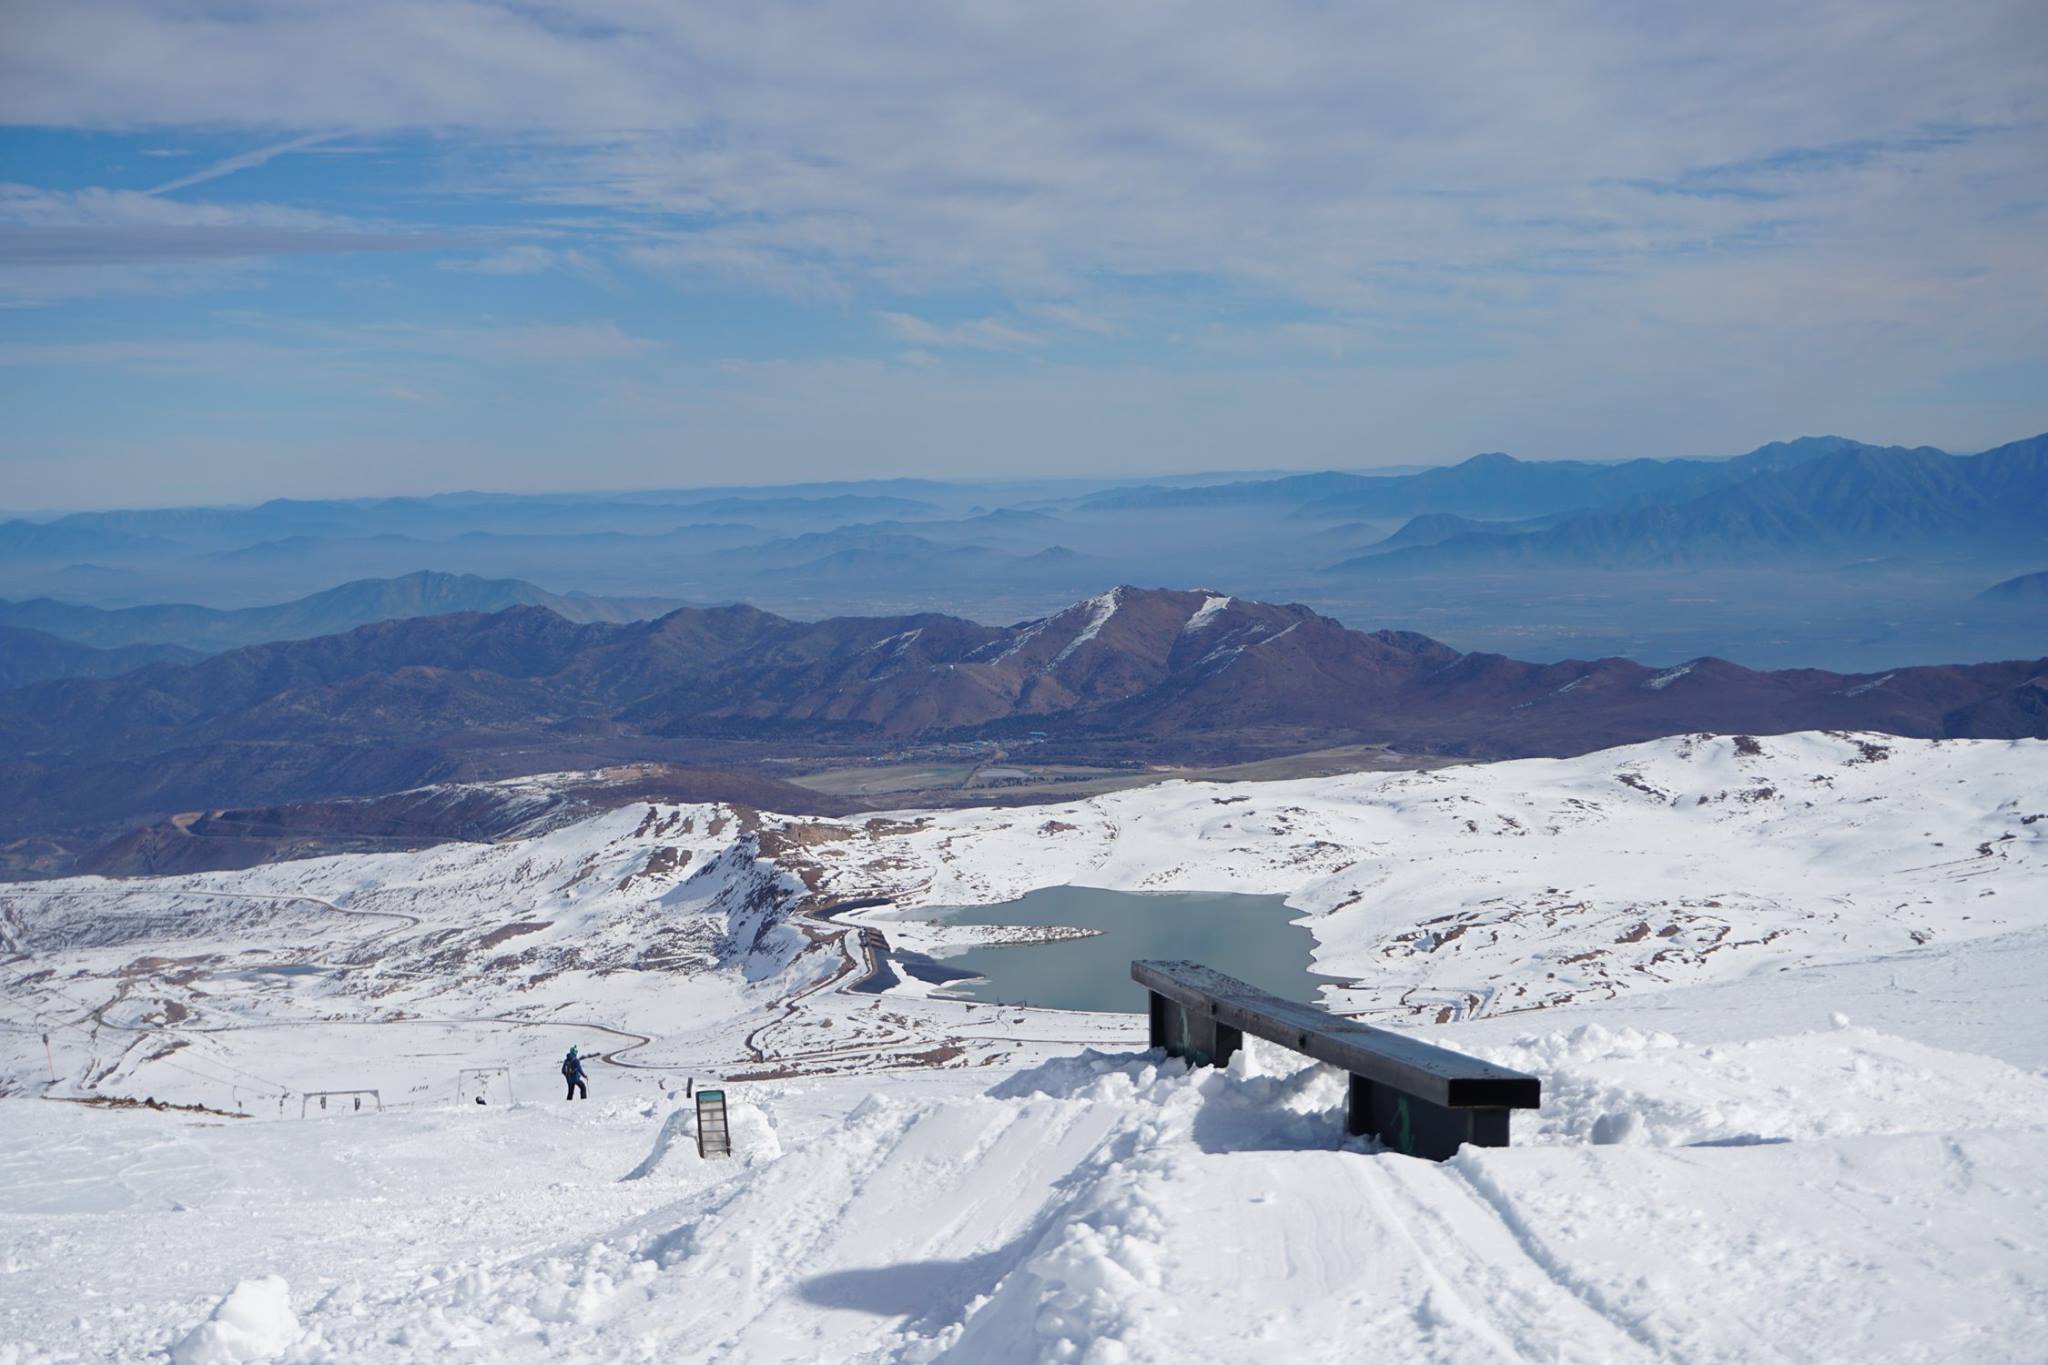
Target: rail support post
(1196, 1036)
(1413, 1126)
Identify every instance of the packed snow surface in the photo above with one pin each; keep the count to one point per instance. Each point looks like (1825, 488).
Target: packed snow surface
(1783, 995)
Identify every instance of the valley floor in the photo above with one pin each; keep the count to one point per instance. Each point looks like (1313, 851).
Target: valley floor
(1822, 1142)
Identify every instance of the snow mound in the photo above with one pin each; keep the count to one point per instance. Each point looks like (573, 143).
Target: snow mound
(1626, 1087)
(675, 1128)
(254, 1322)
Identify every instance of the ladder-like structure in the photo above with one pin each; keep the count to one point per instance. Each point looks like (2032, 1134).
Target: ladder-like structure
(713, 1137)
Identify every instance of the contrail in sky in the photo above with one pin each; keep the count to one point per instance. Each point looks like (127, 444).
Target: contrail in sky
(241, 162)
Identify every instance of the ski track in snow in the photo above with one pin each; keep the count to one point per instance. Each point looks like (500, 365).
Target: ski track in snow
(1726, 1168)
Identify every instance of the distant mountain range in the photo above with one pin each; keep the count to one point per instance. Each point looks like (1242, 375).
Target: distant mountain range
(1434, 528)
(1821, 550)
(144, 529)
(1133, 674)
(1487, 486)
(212, 629)
(1830, 505)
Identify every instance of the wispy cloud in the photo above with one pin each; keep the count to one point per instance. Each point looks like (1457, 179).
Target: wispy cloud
(532, 344)
(266, 341)
(241, 162)
(1074, 318)
(981, 334)
(117, 239)
(524, 258)
(1460, 227)
(1301, 149)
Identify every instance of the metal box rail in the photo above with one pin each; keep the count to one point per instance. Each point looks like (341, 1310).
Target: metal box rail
(1417, 1098)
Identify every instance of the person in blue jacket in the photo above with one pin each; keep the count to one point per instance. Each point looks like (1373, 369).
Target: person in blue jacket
(572, 1072)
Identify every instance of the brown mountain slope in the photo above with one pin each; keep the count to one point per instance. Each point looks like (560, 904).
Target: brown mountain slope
(1133, 674)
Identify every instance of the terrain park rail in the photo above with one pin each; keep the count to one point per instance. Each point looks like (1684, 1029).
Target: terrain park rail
(1416, 1098)
(376, 1097)
(714, 1137)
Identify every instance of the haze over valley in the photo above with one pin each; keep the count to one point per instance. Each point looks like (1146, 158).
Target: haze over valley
(1816, 552)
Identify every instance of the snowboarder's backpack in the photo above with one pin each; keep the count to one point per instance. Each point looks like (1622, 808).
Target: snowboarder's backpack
(569, 1066)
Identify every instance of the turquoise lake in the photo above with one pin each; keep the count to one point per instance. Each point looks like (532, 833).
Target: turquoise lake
(1249, 937)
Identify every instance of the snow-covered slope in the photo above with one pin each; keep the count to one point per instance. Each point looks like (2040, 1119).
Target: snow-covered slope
(1494, 888)
(1783, 994)
(1098, 1208)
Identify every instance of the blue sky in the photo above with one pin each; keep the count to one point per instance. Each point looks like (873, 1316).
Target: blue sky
(313, 249)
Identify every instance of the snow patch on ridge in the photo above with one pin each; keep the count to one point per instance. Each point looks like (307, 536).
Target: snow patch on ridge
(1101, 609)
(899, 642)
(1031, 632)
(1233, 645)
(1210, 609)
(1668, 677)
(1282, 635)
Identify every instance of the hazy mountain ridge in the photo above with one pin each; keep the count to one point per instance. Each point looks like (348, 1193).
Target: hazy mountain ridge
(1571, 558)
(1490, 486)
(1839, 505)
(1148, 675)
(2027, 587)
(280, 518)
(1434, 528)
(360, 603)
